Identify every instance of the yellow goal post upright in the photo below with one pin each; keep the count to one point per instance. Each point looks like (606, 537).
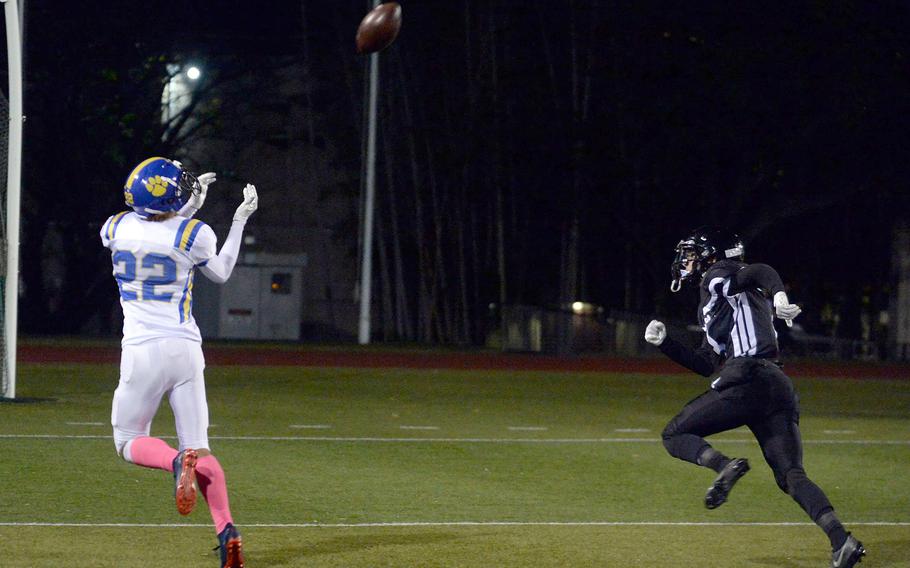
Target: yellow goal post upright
(9, 224)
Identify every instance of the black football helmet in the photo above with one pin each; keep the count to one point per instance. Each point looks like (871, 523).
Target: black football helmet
(703, 247)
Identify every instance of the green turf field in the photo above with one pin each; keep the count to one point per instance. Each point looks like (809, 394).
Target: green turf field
(359, 467)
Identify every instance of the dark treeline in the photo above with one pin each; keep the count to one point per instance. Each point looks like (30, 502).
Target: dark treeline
(541, 153)
(530, 152)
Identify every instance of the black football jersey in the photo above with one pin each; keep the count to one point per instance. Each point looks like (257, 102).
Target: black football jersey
(737, 318)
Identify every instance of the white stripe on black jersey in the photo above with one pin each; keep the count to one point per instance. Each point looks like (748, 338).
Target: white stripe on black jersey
(710, 322)
(743, 331)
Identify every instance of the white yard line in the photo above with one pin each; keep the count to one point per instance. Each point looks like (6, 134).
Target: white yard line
(631, 430)
(528, 428)
(405, 427)
(311, 426)
(455, 440)
(463, 524)
(86, 424)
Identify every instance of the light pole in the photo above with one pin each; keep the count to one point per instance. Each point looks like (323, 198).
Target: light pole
(366, 268)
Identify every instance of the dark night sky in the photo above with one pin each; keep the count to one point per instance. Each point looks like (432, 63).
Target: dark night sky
(635, 121)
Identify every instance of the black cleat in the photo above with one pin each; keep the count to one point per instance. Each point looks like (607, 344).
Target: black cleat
(850, 554)
(718, 492)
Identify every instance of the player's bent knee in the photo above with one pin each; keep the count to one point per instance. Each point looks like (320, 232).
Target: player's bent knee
(122, 441)
(670, 430)
(669, 445)
(119, 445)
(669, 437)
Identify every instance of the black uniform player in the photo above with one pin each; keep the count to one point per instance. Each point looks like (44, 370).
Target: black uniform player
(738, 304)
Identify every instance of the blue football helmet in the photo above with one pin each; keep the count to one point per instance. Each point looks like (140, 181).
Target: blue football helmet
(158, 185)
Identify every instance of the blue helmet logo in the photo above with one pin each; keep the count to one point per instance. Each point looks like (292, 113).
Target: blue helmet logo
(154, 187)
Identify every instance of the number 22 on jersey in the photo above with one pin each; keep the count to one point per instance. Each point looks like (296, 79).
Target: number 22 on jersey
(151, 269)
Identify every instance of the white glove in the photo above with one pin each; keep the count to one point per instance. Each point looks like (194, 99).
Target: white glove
(656, 332)
(194, 203)
(249, 205)
(784, 309)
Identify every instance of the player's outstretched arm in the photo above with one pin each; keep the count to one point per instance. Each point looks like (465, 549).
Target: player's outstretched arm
(219, 268)
(701, 360)
(194, 203)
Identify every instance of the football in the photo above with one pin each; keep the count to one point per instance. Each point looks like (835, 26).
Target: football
(379, 28)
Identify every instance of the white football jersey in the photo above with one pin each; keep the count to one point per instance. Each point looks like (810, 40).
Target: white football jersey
(153, 265)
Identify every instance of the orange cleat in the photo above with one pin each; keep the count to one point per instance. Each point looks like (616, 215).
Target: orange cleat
(185, 480)
(231, 547)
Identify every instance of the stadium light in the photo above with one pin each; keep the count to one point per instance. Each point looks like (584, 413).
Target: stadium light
(581, 308)
(193, 73)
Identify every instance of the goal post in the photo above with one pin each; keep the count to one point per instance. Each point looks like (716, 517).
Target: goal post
(9, 231)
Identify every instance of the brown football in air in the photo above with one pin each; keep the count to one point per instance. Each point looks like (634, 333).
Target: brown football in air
(379, 28)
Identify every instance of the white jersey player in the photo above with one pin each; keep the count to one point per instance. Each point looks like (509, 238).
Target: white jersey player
(155, 249)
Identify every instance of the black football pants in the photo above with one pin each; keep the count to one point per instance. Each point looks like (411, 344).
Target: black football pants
(754, 393)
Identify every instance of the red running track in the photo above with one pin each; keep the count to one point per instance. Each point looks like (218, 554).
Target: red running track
(362, 358)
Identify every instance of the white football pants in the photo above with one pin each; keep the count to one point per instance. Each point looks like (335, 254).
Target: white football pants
(147, 372)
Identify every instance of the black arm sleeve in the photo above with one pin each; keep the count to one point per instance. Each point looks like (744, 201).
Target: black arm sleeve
(756, 276)
(702, 360)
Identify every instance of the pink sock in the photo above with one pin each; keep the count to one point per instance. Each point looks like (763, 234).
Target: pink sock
(210, 478)
(152, 452)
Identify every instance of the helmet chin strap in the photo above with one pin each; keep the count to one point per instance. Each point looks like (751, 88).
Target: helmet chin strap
(675, 285)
